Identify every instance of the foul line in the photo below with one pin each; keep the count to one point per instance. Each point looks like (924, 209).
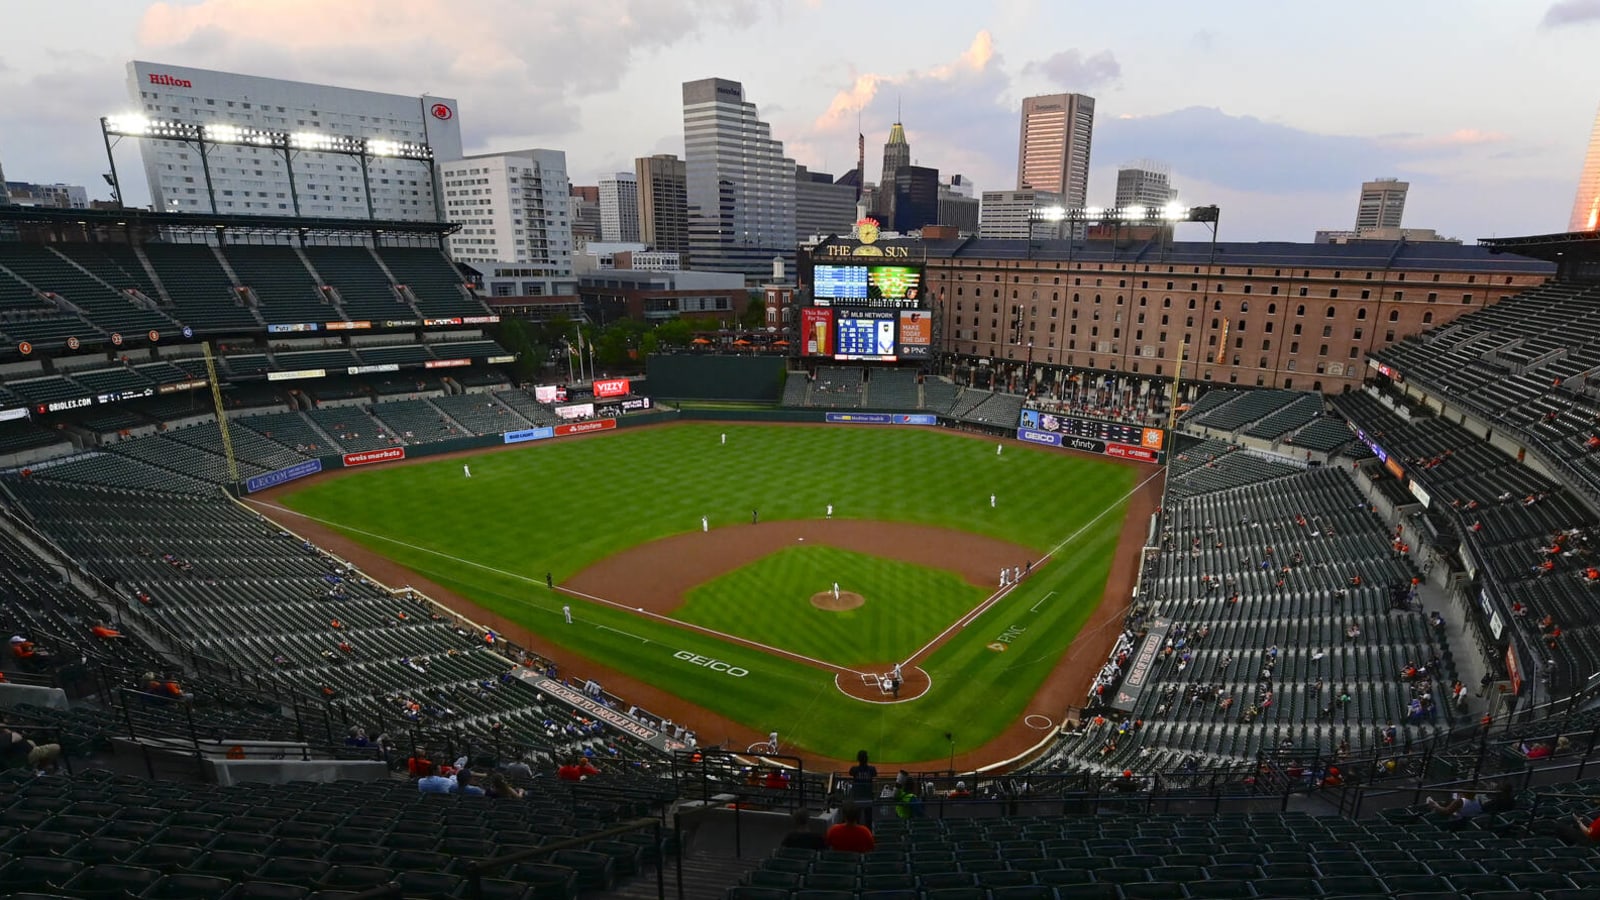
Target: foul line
(1035, 607)
(688, 626)
(972, 614)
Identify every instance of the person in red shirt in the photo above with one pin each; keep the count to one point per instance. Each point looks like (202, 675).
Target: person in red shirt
(849, 835)
(776, 780)
(103, 631)
(577, 770)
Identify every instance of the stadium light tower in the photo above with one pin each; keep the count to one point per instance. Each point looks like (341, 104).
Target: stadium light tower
(287, 143)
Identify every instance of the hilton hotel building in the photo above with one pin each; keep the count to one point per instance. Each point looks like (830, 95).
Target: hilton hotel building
(253, 180)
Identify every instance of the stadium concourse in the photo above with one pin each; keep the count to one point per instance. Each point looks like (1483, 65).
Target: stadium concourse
(1342, 605)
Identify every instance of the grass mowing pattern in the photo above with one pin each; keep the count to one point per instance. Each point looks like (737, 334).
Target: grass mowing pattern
(557, 507)
(769, 601)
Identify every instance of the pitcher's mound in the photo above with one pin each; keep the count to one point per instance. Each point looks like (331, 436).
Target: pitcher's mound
(846, 600)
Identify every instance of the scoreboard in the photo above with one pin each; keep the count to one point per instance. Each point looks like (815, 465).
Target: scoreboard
(1118, 439)
(862, 336)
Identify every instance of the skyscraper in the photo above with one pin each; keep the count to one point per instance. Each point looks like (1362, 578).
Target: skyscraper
(663, 203)
(584, 211)
(740, 186)
(619, 208)
(916, 198)
(821, 205)
(1053, 146)
(512, 208)
(896, 156)
(1586, 205)
(1018, 215)
(1144, 183)
(1383, 202)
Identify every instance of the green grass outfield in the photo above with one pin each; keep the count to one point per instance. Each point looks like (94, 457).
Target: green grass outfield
(769, 601)
(560, 506)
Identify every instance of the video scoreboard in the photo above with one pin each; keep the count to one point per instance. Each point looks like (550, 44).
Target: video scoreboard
(1119, 439)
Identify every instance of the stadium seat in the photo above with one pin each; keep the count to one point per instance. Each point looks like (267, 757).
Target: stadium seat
(184, 887)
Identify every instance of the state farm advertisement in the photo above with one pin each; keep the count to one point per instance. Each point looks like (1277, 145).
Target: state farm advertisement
(367, 458)
(585, 427)
(1126, 451)
(611, 387)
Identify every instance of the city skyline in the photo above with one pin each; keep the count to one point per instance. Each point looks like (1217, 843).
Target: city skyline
(1249, 115)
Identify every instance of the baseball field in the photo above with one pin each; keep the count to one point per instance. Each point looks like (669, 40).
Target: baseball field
(700, 561)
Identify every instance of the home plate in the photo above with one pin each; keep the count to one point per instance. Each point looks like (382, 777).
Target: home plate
(799, 539)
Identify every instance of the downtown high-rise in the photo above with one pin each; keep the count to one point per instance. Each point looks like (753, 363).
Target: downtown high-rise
(1053, 146)
(1586, 205)
(740, 186)
(663, 203)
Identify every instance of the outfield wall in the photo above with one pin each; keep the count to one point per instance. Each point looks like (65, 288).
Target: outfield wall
(688, 376)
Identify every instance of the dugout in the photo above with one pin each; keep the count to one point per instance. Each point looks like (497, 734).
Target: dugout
(697, 376)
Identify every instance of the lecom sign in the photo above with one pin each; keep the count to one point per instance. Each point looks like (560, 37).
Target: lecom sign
(611, 387)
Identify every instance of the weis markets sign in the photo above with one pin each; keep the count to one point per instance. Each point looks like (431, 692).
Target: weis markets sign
(387, 454)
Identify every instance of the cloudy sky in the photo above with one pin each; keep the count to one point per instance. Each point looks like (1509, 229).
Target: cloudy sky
(1275, 111)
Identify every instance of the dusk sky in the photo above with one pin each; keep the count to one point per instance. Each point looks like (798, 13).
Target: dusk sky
(1274, 111)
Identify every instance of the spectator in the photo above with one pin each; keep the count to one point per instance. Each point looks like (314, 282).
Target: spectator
(802, 835)
(499, 787)
(1464, 807)
(45, 759)
(862, 775)
(577, 769)
(1576, 831)
(850, 835)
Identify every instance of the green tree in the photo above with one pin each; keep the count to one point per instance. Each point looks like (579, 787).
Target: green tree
(755, 314)
(674, 333)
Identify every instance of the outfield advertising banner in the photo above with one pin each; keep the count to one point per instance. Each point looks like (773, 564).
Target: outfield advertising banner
(1126, 451)
(585, 427)
(881, 418)
(549, 393)
(916, 334)
(1153, 439)
(1038, 437)
(611, 387)
(529, 434)
(283, 476)
(816, 331)
(576, 411)
(387, 454)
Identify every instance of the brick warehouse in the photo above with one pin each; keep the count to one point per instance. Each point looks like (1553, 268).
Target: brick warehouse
(1288, 315)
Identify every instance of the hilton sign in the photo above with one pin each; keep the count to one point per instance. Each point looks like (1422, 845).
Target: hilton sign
(169, 81)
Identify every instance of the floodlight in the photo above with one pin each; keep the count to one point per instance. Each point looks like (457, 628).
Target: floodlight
(1134, 212)
(382, 147)
(127, 123)
(224, 134)
(311, 140)
(1174, 212)
(1052, 213)
(1093, 213)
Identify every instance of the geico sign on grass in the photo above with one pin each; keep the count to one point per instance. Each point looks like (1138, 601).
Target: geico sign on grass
(715, 665)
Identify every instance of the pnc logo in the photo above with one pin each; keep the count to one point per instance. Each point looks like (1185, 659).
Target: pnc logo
(169, 81)
(442, 112)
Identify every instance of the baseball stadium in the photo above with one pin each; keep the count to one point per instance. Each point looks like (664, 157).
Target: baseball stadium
(331, 574)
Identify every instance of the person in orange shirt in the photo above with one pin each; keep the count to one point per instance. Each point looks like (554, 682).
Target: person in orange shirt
(849, 835)
(103, 631)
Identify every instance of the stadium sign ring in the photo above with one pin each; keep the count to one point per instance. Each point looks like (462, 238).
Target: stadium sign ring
(154, 335)
(116, 339)
(73, 343)
(24, 348)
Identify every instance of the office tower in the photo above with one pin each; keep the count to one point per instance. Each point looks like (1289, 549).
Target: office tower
(663, 203)
(916, 198)
(254, 180)
(5, 197)
(896, 156)
(619, 208)
(740, 187)
(584, 212)
(1018, 215)
(958, 207)
(512, 208)
(1144, 183)
(61, 196)
(1053, 146)
(1586, 205)
(821, 205)
(1383, 202)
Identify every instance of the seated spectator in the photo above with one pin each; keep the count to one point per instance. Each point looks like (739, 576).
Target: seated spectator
(436, 784)
(14, 748)
(1463, 807)
(1537, 750)
(776, 780)
(103, 631)
(803, 835)
(850, 835)
(577, 770)
(501, 788)
(466, 783)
